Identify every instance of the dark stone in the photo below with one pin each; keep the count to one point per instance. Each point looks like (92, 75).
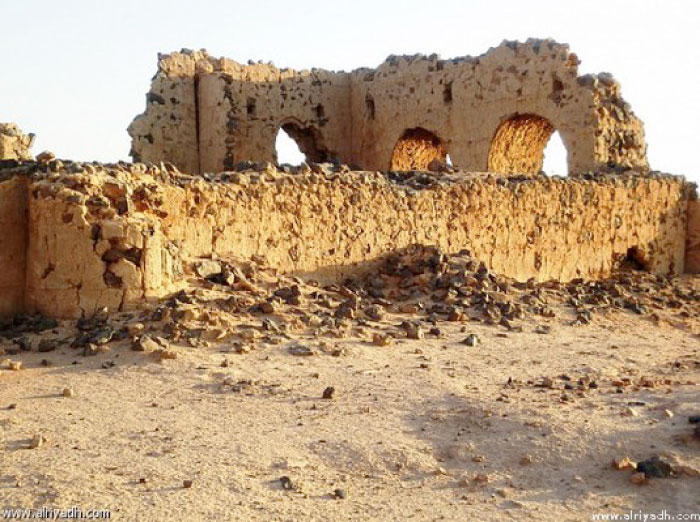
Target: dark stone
(340, 494)
(47, 345)
(286, 483)
(654, 468)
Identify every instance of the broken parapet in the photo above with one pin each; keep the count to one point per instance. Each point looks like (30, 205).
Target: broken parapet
(14, 144)
(91, 236)
(495, 112)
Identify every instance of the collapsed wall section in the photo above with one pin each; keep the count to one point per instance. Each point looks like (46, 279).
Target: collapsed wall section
(116, 237)
(14, 144)
(207, 114)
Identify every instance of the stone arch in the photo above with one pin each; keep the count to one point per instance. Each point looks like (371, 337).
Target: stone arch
(309, 140)
(518, 145)
(418, 149)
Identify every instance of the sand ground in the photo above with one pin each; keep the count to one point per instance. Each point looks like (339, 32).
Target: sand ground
(420, 430)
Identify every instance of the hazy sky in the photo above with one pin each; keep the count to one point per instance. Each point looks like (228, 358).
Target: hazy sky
(76, 72)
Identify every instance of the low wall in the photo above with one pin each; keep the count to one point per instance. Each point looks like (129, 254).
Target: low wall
(116, 236)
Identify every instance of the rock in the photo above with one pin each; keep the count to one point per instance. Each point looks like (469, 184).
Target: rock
(301, 350)
(186, 484)
(380, 339)
(37, 441)
(543, 329)
(654, 468)
(286, 483)
(163, 354)
(339, 494)
(638, 478)
(207, 268)
(134, 329)
(694, 419)
(68, 392)
(47, 345)
(45, 157)
(145, 343)
(329, 392)
(374, 312)
(624, 463)
(526, 460)
(14, 365)
(413, 329)
(471, 340)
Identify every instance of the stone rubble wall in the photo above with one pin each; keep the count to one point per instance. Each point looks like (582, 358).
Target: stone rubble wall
(14, 144)
(222, 112)
(115, 236)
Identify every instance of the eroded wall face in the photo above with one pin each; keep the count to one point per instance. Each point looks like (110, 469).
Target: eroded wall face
(13, 243)
(114, 238)
(242, 108)
(359, 117)
(692, 253)
(14, 144)
(167, 130)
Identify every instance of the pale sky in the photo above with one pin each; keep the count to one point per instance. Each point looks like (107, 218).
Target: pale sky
(75, 72)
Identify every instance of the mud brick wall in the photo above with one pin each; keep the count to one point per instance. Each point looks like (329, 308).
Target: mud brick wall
(115, 236)
(494, 112)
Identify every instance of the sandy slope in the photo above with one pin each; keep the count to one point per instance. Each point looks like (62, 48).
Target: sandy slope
(420, 430)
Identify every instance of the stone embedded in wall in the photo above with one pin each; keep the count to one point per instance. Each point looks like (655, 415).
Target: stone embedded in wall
(207, 114)
(14, 144)
(115, 236)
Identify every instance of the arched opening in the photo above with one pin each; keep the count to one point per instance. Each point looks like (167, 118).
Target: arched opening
(555, 161)
(518, 147)
(418, 149)
(287, 150)
(295, 143)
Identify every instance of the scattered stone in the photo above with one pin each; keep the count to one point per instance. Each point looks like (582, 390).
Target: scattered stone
(624, 463)
(47, 345)
(207, 268)
(471, 340)
(694, 419)
(380, 339)
(286, 483)
(186, 483)
(14, 365)
(37, 441)
(301, 350)
(654, 468)
(329, 392)
(68, 392)
(526, 460)
(543, 329)
(340, 494)
(413, 330)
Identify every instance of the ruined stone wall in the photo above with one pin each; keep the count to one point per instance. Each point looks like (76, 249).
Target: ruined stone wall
(114, 237)
(14, 144)
(167, 131)
(13, 243)
(359, 117)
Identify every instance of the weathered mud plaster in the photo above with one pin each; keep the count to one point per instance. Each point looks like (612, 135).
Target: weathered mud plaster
(492, 112)
(692, 252)
(113, 237)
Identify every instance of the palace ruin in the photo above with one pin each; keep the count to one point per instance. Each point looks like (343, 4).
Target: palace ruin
(205, 181)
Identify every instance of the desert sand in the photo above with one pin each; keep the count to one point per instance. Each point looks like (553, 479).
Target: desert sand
(499, 425)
